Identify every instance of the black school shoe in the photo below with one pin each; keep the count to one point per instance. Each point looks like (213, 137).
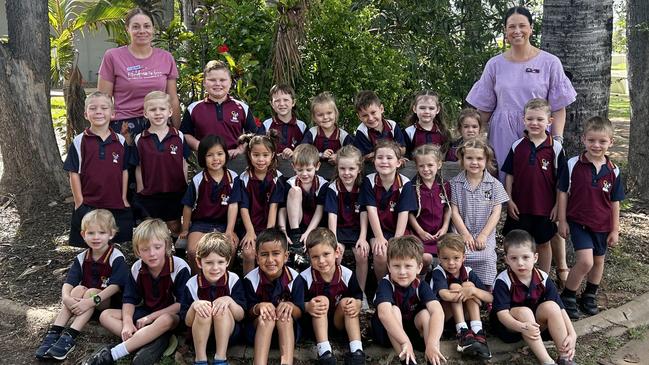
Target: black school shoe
(354, 358)
(570, 305)
(100, 357)
(152, 352)
(49, 340)
(326, 359)
(588, 304)
(63, 346)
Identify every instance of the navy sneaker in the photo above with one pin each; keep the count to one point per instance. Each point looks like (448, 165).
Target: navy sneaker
(482, 349)
(326, 359)
(62, 347)
(466, 342)
(100, 357)
(152, 352)
(354, 358)
(49, 339)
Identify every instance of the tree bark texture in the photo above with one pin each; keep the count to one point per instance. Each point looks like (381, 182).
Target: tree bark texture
(75, 97)
(579, 32)
(32, 163)
(638, 72)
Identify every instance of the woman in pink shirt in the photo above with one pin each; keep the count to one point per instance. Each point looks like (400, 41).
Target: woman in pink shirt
(129, 73)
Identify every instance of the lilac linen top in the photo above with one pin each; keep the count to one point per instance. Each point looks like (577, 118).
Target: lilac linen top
(133, 78)
(505, 87)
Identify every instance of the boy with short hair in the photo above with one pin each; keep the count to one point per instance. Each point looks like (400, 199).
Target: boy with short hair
(332, 299)
(590, 191)
(306, 193)
(290, 130)
(274, 298)
(214, 299)
(96, 274)
(534, 164)
(460, 291)
(151, 299)
(373, 125)
(97, 163)
(406, 309)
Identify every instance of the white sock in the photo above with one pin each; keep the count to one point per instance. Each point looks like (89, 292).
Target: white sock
(460, 326)
(355, 345)
(476, 326)
(118, 351)
(323, 347)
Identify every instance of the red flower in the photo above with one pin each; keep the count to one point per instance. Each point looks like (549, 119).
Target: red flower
(223, 48)
(257, 122)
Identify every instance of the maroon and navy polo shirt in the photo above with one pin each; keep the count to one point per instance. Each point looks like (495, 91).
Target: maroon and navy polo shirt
(310, 199)
(416, 136)
(366, 138)
(317, 137)
(290, 134)
(410, 300)
(591, 194)
(289, 287)
(257, 196)
(227, 120)
(430, 204)
(199, 288)
(157, 293)
(100, 165)
(344, 204)
(210, 199)
(389, 203)
(510, 292)
(536, 171)
(442, 279)
(109, 269)
(342, 285)
(161, 162)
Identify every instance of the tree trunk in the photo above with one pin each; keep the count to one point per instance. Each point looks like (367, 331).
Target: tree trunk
(187, 9)
(32, 163)
(579, 32)
(637, 55)
(75, 97)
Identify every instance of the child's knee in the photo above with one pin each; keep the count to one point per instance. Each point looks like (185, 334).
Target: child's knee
(549, 306)
(107, 316)
(249, 255)
(427, 260)
(380, 259)
(455, 286)
(265, 325)
(286, 325)
(166, 321)
(90, 292)
(360, 259)
(468, 284)
(199, 320)
(78, 291)
(224, 315)
(294, 195)
(522, 314)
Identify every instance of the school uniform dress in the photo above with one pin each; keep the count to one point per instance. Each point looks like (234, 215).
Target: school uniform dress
(109, 269)
(163, 177)
(431, 203)
(257, 196)
(347, 208)
(100, 164)
(317, 137)
(290, 134)
(310, 199)
(389, 203)
(475, 206)
(509, 292)
(366, 138)
(149, 294)
(209, 201)
(416, 136)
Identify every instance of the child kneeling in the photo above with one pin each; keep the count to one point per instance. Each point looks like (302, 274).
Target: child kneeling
(332, 298)
(527, 303)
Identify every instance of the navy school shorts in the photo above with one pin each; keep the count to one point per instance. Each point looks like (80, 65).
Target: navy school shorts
(584, 238)
(539, 227)
(165, 206)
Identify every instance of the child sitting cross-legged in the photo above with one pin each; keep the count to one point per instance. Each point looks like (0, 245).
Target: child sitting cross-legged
(214, 299)
(461, 293)
(332, 298)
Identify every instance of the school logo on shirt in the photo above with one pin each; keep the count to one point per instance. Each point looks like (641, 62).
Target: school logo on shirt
(442, 198)
(606, 186)
(224, 199)
(392, 205)
(115, 157)
(487, 194)
(173, 149)
(544, 164)
(357, 208)
(235, 117)
(104, 282)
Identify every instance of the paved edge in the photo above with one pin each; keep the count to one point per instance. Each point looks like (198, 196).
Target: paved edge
(630, 315)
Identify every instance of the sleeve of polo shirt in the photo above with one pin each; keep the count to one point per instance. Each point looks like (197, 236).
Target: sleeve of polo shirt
(439, 281)
(552, 293)
(475, 279)
(322, 195)
(331, 202)
(71, 163)
(279, 193)
(564, 179)
(251, 126)
(251, 297)
(366, 197)
(353, 288)
(500, 195)
(187, 124)
(134, 156)
(75, 274)
(363, 143)
(186, 301)
(384, 293)
(180, 282)
(502, 297)
(618, 189)
(308, 138)
(243, 198)
(297, 292)
(407, 199)
(508, 166)
(409, 145)
(349, 139)
(561, 164)
(119, 275)
(187, 152)
(131, 294)
(398, 136)
(128, 151)
(238, 293)
(426, 294)
(189, 198)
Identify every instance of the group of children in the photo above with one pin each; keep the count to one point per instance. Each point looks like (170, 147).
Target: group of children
(398, 224)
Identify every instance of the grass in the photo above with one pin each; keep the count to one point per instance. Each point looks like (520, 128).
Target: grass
(619, 107)
(619, 67)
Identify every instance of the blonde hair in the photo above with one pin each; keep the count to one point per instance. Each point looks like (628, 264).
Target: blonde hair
(305, 154)
(97, 95)
(451, 241)
(598, 124)
(389, 144)
(406, 248)
(538, 104)
(353, 153)
(152, 228)
(101, 217)
(214, 242)
(215, 65)
(156, 95)
(322, 99)
(431, 150)
(479, 144)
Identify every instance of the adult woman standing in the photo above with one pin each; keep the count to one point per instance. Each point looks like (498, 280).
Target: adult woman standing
(129, 73)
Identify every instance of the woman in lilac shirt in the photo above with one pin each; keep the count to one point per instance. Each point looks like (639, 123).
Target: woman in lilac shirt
(512, 78)
(129, 73)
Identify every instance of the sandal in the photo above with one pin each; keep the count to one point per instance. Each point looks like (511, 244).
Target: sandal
(561, 283)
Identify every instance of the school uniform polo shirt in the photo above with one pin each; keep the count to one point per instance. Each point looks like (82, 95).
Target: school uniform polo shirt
(290, 134)
(227, 120)
(535, 170)
(344, 204)
(161, 162)
(509, 292)
(157, 293)
(410, 300)
(416, 136)
(210, 199)
(257, 196)
(109, 269)
(100, 165)
(342, 285)
(366, 138)
(199, 288)
(389, 203)
(430, 203)
(442, 280)
(310, 199)
(591, 194)
(289, 287)
(317, 137)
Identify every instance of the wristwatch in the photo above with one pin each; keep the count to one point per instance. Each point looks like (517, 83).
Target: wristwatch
(97, 299)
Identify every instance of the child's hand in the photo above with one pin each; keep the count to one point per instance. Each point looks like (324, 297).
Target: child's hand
(328, 153)
(220, 305)
(237, 151)
(351, 307)
(554, 213)
(380, 246)
(332, 159)
(126, 204)
(442, 231)
(362, 247)
(284, 311)
(144, 321)
(468, 291)
(203, 308)
(613, 238)
(468, 241)
(480, 242)
(248, 241)
(318, 306)
(531, 330)
(267, 311)
(124, 131)
(233, 236)
(287, 153)
(70, 301)
(425, 236)
(512, 209)
(564, 229)
(434, 356)
(82, 306)
(128, 329)
(183, 234)
(407, 354)
(567, 347)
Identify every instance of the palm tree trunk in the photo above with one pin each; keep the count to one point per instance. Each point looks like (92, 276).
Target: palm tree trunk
(74, 96)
